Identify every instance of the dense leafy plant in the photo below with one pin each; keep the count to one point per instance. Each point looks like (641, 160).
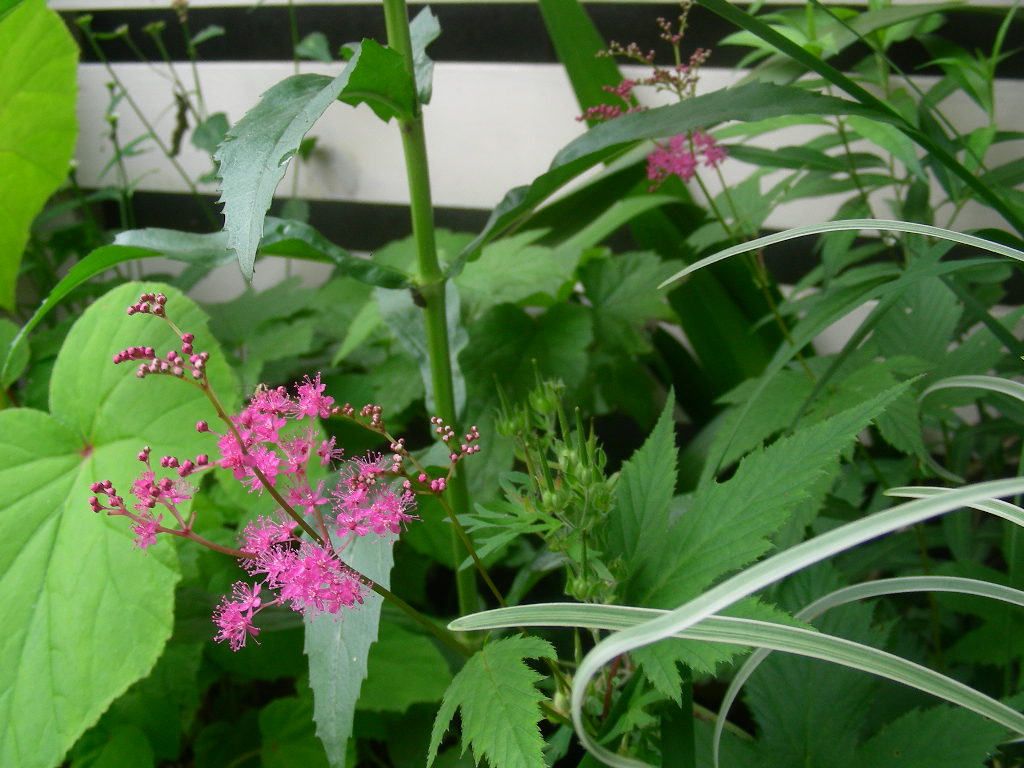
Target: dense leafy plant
(530, 333)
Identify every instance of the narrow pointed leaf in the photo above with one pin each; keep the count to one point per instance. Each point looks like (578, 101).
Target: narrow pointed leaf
(338, 648)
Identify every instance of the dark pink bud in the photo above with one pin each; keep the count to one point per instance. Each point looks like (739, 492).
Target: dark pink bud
(202, 426)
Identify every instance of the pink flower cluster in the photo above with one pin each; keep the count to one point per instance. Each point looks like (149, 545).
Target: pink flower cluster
(291, 553)
(679, 157)
(308, 576)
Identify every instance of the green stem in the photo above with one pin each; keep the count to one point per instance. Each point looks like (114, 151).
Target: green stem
(430, 282)
(443, 635)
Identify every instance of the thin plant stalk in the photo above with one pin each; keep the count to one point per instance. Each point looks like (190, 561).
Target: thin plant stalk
(431, 284)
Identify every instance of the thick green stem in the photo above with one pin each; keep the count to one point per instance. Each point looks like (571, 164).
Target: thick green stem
(430, 282)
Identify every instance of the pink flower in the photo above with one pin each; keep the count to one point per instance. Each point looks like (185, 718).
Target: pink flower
(145, 529)
(234, 617)
(312, 402)
(305, 499)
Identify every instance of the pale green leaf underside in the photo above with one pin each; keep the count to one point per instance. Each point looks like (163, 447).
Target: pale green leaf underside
(87, 615)
(38, 89)
(338, 648)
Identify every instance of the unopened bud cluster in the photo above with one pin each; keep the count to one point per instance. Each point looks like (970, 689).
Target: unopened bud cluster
(679, 155)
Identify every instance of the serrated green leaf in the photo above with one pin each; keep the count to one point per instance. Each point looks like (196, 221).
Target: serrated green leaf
(644, 493)
(623, 292)
(727, 524)
(940, 737)
(79, 643)
(921, 323)
(338, 648)
(786, 697)
(38, 89)
(499, 704)
(380, 80)
(514, 269)
(423, 30)
(506, 342)
(256, 151)
(775, 407)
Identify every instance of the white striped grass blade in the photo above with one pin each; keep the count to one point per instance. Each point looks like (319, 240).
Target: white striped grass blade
(997, 507)
(749, 632)
(877, 588)
(992, 383)
(847, 224)
(760, 575)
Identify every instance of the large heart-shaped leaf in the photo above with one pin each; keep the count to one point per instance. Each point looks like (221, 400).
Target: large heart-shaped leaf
(84, 614)
(38, 86)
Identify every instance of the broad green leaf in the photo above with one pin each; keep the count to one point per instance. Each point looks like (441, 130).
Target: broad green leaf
(286, 735)
(79, 643)
(38, 89)
(514, 269)
(890, 139)
(577, 43)
(380, 80)
(775, 406)
(314, 47)
(208, 135)
(622, 290)
(726, 525)
(499, 704)
(281, 237)
(338, 648)
(940, 737)
(507, 348)
(870, 589)
(256, 151)
(405, 320)
(423, 30)
(787, 693)
(124, 746)
(756, 101)
(405, 668)
(644, 493)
